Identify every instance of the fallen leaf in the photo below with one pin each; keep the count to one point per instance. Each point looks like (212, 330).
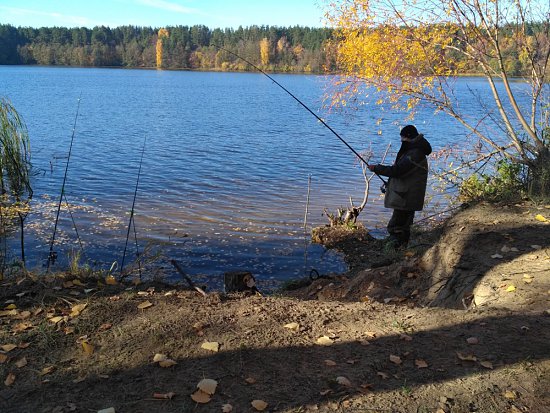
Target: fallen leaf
(371, 334)
(497, 256)
(325, 341)
(292, 326)
(421, 364)
(211, 345)
(383, 375)
(511, 288)
(250, 380)
(510, 395)
(19, 327)
(325, 392)
(159, 357)
(466, 357)
(201, 397)
(259, 405)
(21, 362)
(540, 218)
(110, 280)
(56, 320)
(23, 345)
(167, 363)
(10, 379)
(227, 408)
(105, 326)
(8, 347)
(486, 364)
(10, 307)
(47, 370)
(3, 358)
(330, 363)
(24, 315)
(144, 305)
(343, 381)
(395, 359)
(472, 340)
(77, 309)
(208, 386)
(164, 396)
(6, 313)
(536, 247)
(87, 347)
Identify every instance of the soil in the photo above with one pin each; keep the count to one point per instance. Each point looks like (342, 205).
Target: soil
(458, 322)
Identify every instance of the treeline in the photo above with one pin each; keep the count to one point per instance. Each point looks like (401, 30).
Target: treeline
(293, 49)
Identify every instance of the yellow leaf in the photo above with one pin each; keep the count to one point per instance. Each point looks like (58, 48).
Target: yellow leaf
(227, 408)
(292, 326)
(145, 304)
(511, 288)
(21, 362)
(77, 309)
(259, 405)
(159, 357)
(10, 307)
(325, 341)
(88, 348)
(211, 345)
(47, 370)
(395, 359)
(208, 386)
(56, 320)
(510, 395)
(10, 379)
(110, 280)
(5, 313)
(540, 218)
(167, 363)
(421, 364)
(201, 397)
(8, 347)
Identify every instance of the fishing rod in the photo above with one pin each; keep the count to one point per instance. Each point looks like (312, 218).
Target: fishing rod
(303, 105)
(51, 255)
(133, 208)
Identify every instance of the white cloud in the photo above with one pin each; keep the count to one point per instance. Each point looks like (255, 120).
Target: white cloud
(165, 5)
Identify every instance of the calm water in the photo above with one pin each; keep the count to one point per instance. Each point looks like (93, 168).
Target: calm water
(225, 171)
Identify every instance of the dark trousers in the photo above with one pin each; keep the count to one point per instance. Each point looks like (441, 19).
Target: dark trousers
(399, 226)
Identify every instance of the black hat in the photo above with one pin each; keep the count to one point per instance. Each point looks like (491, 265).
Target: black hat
(409, 132)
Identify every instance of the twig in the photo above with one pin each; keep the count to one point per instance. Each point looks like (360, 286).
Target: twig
(187, 278)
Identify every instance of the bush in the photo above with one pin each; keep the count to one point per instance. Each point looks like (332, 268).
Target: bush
(508, 183)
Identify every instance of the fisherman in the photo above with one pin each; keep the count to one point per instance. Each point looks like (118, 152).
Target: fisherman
(407, 184)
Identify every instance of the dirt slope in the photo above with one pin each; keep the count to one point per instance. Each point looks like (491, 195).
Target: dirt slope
(461, 327)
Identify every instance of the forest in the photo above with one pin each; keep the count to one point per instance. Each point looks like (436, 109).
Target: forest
(277, 49)
(294, 49)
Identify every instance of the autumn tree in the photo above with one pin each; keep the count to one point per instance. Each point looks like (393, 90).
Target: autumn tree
(264, 51)
(162, 34)
(409, 51)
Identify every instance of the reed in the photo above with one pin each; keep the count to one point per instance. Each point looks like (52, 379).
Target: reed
(15, 172)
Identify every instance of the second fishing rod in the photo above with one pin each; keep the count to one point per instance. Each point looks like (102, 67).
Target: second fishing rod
(305, 107)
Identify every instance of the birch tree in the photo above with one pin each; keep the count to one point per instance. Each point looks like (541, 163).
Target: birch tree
(410, 51)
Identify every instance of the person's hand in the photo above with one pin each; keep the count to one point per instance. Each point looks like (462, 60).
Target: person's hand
(371, 167)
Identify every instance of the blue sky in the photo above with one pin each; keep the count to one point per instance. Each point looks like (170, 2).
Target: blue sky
(158, 13)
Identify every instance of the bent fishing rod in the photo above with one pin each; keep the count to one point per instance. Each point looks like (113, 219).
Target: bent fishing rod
(303, 105)
(51, 254)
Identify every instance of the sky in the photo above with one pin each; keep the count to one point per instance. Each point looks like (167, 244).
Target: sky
(159, 13)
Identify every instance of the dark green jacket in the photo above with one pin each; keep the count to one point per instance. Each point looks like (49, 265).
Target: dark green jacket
(408, 176)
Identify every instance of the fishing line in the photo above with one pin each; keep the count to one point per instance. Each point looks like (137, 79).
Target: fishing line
(51, 254)
(133, 207)
(303, 105)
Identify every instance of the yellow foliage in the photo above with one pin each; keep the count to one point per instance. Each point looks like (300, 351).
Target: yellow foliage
(264, 51)
(161, 35)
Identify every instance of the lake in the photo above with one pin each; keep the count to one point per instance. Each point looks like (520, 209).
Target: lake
(224, 178)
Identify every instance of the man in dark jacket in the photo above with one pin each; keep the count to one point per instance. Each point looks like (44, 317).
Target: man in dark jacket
(407, 184)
